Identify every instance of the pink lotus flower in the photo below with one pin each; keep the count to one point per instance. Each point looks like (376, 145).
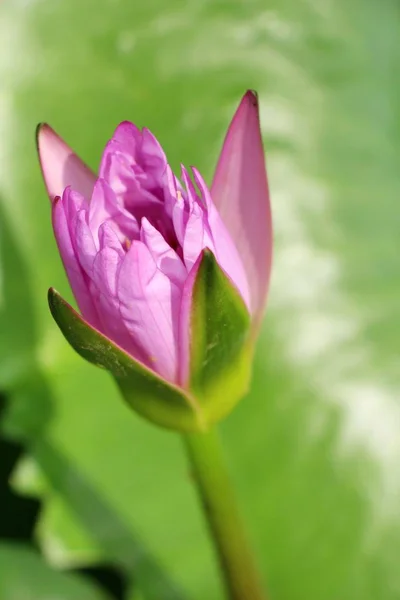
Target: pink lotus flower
(131, 238)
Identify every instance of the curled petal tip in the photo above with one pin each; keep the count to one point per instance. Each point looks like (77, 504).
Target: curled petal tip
(252, 95)
(43, 130)
(39, 127)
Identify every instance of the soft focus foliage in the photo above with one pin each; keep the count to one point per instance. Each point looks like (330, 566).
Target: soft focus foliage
(315, 447)
(24, 575)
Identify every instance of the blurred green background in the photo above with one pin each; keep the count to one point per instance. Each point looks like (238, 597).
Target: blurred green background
(315, 448)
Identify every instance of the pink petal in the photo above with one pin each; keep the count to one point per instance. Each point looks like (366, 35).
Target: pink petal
(108, 237)
(104, 207)
(129, 136)
(171, 187)
(150, 305)
(153, 156)
(190, 193)
(133, 164)
(184, 324)
(84, 244)
(106, 267)
(100, 286)
(165, 257)
(176, 204)
(223, 247)
(119, 157)
(75, 274)
(61, 166)
(240, 193)
(193, 241)
(101, 206)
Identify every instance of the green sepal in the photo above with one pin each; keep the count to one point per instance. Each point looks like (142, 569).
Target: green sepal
(147, 393)
(221, 350)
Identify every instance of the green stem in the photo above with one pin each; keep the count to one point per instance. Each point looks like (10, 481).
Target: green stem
(216, 493)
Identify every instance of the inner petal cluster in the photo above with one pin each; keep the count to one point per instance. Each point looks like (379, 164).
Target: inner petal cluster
(135, 242)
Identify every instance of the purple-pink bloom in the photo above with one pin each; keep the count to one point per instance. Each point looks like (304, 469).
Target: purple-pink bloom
(131, 238)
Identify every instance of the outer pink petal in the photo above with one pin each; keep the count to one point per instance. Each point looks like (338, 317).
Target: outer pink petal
(240, 193)
(61, 166)
(75, 274)
(150, 305)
